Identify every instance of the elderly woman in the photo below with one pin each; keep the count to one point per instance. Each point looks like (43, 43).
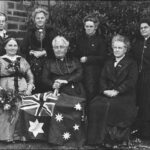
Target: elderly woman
(36, 45)
(91, 51)
(63, 72)
(16, 76)
(114, 110)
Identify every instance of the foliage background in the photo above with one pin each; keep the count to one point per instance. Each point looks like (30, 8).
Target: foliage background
(120, 16)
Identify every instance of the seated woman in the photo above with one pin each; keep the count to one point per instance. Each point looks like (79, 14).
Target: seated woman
(15, 76)
(113, 111)
(63, 72)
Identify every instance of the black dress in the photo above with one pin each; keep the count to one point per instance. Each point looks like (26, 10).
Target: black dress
(32, 41)
(94, 48)
(69, 69)
(2, 38)
(110, 118)
(141, 52)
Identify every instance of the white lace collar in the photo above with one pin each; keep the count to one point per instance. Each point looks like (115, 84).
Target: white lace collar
(12, 58)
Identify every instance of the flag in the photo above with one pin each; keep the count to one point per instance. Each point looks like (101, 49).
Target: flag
(34, 116)
(41, 104)
(67, 126)
(59, 122)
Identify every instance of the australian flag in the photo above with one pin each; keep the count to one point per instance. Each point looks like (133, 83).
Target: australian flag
(58, 121)
(34, 116)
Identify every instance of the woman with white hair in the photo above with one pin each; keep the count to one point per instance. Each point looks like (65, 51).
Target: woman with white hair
(63, 72)
(114, 110)
(36, 45)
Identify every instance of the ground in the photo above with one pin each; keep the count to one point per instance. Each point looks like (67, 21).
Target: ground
(134, 145)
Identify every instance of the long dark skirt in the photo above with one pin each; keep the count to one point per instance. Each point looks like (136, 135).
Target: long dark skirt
(143, 102)
(110, 119)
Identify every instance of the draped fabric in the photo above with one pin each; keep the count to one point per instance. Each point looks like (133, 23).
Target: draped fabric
(59, 122)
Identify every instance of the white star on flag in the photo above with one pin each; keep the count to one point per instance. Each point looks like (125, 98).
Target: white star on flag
(76, 127)
(59, 117)
(78, 106)
(66, 135)
(36, 127)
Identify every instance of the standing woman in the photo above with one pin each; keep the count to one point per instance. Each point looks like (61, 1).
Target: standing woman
(141, 52)
(91, 50)
(15, 76)
(36, 45)
(3, 32)
(113, 111)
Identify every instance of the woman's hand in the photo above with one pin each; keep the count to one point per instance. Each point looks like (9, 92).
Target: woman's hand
(38, 54)
(57, 84)
(28, 92)
(83, 59)
(29, 89)
(111, 93)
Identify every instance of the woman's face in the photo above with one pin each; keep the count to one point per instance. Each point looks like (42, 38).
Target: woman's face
(2, 22)
(119, 49)
(90, 28)
(59, 49)
(11, 48)
(145, 30)
(40, 19)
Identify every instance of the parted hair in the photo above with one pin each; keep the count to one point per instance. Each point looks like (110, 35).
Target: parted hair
(39, 10)
(62, 39)
(2, 14)
(121, 38)
(91, 17)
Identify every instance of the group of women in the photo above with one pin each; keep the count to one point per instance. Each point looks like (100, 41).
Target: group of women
(109, 83)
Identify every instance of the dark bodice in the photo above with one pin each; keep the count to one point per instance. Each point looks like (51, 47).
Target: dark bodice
(94, 47)
(31, 42)
(141, 52)
(69, 69)
(123, 77)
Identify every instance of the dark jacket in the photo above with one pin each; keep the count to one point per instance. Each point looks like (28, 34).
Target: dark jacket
(123, 77)
(69, 69)
(94, 48)
(2, 50)
(141, 53)
(30, 41)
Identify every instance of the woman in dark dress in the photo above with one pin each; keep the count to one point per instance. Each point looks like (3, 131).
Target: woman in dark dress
(141, 52)
(63, 72)
(36, 45)
(3, 33)
(113, 111)
(91, 50)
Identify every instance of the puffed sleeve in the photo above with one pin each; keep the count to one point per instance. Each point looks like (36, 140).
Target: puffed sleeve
(25, 69)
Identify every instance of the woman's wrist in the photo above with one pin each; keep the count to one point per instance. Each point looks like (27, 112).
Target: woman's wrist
(30, 86)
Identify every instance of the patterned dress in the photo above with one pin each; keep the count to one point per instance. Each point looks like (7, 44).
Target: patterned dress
(12, 77)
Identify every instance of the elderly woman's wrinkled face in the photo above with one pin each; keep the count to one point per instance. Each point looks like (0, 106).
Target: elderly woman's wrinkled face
(90, 28)
(2, 22)
(119, 49)
(11, 48)
(40, 19)
(60, 49)
(145, 30)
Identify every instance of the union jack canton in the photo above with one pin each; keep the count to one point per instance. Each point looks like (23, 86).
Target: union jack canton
(41, 104)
